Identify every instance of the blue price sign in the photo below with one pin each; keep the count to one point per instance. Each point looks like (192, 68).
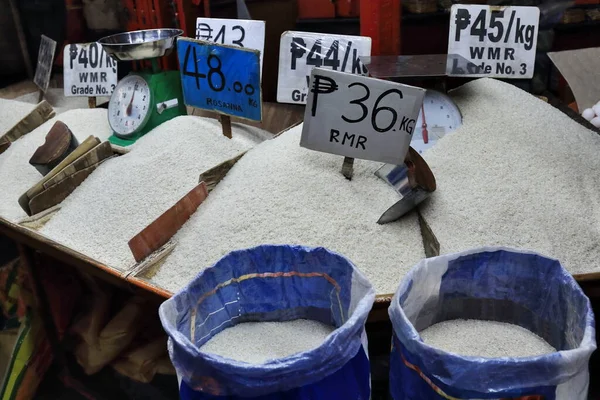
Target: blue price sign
(220, 78)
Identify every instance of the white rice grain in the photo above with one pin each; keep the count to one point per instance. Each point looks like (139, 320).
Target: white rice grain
(11, 112)
(518, 173)
(258, 342)
(127, 193)
(56, 98)
(488, 339)
(17, 175)
(281, 193)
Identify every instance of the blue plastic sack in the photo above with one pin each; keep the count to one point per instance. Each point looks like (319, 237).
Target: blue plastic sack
(273, 283)
(499, 284)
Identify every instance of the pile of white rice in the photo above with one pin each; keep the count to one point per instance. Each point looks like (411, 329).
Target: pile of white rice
(488, 339)
(281, 193)
(17, 175)
(11, 112)
(127, 193)
(56, 98)
(258, 342)
(518, 173)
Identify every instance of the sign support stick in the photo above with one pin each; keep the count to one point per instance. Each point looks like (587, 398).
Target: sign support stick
(348, 167)
(226, 124)
(92, 102)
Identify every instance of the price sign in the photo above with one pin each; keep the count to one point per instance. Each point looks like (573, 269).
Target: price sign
(360, 117)
(498, 41)
(235, 32)
(88, 70)
(220, 78)
(43, 70)
(300, 52)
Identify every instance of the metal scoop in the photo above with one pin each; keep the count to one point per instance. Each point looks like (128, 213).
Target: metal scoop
(413, 180)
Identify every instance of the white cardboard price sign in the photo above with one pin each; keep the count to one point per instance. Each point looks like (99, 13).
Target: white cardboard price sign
(300, 52)
(500, 41)
(43, 70)
(235, 32)
(88, 70)
(360, 117)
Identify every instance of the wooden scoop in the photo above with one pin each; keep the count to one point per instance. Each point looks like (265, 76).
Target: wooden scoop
(60, 142)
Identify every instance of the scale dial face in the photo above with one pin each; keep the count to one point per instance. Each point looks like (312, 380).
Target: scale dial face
(129, 107)
(438, 117)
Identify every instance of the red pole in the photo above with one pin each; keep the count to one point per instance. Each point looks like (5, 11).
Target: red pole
(75, 27)
(380, 20)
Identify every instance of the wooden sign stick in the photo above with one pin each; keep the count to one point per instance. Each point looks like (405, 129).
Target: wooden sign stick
(226, 124)
(348, 167)
(92, 102)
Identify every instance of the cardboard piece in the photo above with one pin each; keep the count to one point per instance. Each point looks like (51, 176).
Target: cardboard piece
(92, 158)
(4, 144)
(214, 175)
(162, 229)
(83, 148)
(56, 193)
(581, 69)
(40, 114)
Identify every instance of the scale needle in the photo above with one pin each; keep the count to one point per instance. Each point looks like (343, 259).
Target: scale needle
(130, 106)
(424, 132)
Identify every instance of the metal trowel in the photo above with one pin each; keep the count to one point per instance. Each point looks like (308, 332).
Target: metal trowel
(413, 181)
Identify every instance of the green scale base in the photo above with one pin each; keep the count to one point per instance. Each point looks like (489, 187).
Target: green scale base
(164, 86)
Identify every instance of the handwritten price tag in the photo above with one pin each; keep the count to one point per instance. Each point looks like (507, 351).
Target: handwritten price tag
(220, 78)
(245, 33)
(300, 52)
(497, 41)
(88, 70)
(360, 117)
(43, 71)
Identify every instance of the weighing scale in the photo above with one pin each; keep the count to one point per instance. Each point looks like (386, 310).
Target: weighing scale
(143, 100)
(439, 115)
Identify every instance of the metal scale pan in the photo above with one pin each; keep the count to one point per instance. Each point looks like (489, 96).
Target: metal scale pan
(141, 45)
(146, 98)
